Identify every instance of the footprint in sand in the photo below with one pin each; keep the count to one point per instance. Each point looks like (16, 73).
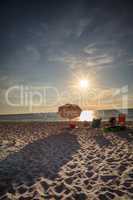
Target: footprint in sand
(69, 180)
(71, 173)
(31, 189)
(127, 183)
(89, 174)
(25, 198)
(22, 189)
(122, 168)
(67, 191)
(59, 188)
(78, 188)
(72, 166)
(80, 196)
(89, 187)
(86, 181)
(130, 175)
(89, 167)
(107, 178)
(119, 192)
(105, 196)
(44, 185)
(130, 190)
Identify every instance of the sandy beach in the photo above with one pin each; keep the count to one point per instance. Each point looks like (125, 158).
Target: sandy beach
(50, 161)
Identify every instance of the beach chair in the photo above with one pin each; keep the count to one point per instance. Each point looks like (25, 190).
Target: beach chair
(112, 122)
(96, 123)
(122, 120)
(116, 125)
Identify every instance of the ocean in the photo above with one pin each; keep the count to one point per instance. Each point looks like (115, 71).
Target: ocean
(54, 116)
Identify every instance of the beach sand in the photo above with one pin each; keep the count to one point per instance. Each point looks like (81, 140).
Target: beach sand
(50, 161)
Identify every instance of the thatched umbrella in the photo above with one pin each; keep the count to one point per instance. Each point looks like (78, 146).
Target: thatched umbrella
(69, 111)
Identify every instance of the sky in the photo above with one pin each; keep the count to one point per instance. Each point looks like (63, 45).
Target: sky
(46, 47)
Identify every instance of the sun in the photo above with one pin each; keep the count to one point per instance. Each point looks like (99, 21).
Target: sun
(81, 82)
(84, 83)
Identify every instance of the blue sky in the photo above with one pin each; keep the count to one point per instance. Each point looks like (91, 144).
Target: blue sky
(46, 43)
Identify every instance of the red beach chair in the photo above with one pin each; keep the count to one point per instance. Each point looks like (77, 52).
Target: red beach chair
(122, 120)
(72, 125)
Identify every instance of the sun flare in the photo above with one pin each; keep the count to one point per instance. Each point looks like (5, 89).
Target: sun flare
(84, 83)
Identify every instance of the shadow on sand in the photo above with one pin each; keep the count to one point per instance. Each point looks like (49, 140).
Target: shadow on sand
(126, 134)
(102, 141)
(42, 158)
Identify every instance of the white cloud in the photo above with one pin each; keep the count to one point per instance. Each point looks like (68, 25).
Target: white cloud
(94, 62)
(90, 49)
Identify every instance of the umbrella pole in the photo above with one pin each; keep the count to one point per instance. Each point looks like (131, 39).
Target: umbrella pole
(69, 122)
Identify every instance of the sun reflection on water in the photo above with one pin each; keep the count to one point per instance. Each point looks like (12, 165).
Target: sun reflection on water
(87, 115)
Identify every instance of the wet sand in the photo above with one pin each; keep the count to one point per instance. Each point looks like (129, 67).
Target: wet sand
(51, 161)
